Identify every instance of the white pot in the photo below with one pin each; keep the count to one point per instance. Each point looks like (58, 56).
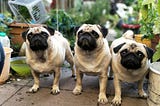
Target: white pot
(6, 68)
(154, 86)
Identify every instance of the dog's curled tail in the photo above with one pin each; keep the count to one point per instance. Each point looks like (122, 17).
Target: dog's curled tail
(129, 34)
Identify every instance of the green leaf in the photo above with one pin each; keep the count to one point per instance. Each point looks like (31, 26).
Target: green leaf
(156, 55)
(158, 7)
(156, 27)
(144, 11)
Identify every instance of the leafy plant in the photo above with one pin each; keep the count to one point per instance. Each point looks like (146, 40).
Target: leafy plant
(150, 18)
(15, 47)
(150, 22)
(97, 12)
(78, 17)
(94, 14)
(156, 27)
(63, 22)
(4, 28)
(147, 21)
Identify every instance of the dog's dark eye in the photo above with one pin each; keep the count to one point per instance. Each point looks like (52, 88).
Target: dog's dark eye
(44, 34)
(140, 54)
(30, 35)
(124, 52)
(95, 34)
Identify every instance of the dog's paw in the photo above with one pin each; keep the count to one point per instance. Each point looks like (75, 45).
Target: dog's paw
(55, 90)
(143, 94)
(34, 89)
(73, 76)
(77, 90)
(117, 101)
(102, 99)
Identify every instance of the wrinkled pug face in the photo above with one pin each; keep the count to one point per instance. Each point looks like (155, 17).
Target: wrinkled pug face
(133, 55)
(37, 37)
(89, 37)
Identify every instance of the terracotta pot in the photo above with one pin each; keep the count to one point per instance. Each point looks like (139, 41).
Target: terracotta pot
(155, 41)
(133, 27)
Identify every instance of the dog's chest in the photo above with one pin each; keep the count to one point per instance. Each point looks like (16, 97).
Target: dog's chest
(45, 63)
(132, 75)
(41, 65)
(89, 64)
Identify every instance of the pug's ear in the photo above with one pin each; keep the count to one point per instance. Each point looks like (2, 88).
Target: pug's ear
(117, 48)
(104, 31)
(24, 34)
(149, 51)
(76, 29)
(50, 29)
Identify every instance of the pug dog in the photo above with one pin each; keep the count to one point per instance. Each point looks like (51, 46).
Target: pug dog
(92, 57)
(130, 63)
(46, 50)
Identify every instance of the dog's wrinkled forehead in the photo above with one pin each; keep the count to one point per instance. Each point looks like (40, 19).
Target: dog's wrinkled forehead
(134, 46)
(36, 30)
(89, 28)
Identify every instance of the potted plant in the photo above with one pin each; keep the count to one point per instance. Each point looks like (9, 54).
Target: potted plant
(132, 22)
(149, 21)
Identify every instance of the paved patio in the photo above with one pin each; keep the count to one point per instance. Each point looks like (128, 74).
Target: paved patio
(13, 93)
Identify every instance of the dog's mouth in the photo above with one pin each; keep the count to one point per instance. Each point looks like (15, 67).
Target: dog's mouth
(87, 42)
(130, 64)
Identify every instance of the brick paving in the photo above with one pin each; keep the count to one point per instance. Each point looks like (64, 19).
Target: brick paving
(13, 93)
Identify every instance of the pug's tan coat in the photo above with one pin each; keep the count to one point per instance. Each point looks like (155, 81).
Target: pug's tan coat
(94, 62)
(128, 75)
(50, 60)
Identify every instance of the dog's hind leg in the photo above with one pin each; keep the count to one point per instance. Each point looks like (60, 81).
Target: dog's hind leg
(69, 58)
(110, 74)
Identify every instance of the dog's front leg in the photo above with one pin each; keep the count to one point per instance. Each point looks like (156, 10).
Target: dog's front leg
(117, 98)
(102, 93)
(141, 92)
(55, 87)
(35, 87)
(78, 88)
